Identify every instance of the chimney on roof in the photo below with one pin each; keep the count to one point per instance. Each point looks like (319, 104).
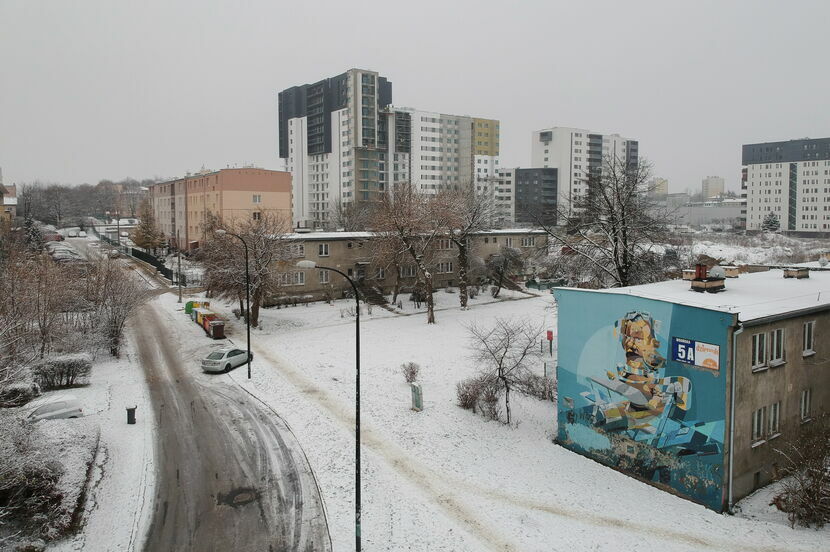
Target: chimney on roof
(797, 272)
(710, 281)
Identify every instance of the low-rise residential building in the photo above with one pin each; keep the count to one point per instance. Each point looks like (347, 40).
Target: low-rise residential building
(354, 254)
(689, 390)
(182, 206)
(8, 200)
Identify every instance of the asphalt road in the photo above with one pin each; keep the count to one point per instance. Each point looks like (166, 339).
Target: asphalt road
(230, 475)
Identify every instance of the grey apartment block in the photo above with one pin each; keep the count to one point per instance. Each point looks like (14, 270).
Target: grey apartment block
(536, 195)
(790, 151)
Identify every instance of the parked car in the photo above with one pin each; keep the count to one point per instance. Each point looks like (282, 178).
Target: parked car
(53, 408)
(223, 360)
(81, 234)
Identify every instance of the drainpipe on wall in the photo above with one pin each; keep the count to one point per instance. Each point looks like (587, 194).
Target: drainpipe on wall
(739, 330)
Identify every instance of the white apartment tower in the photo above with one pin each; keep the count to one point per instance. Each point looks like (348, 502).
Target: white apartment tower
(711, 186)
(577, 154)
(790, 179)
(332, 138)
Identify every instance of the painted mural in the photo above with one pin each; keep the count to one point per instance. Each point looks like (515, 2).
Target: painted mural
(642, 388)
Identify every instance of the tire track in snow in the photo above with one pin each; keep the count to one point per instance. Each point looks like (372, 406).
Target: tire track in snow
(435, 484)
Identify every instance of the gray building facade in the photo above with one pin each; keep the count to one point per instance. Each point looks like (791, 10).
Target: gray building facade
(536, 193)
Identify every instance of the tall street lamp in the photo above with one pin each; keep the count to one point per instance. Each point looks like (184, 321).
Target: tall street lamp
(222, 232)
(312, 264)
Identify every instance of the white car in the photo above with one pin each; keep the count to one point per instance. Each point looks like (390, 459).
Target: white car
(224, 360)
(65, 406)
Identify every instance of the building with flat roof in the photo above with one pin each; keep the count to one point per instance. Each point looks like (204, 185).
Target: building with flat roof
(8, 200)
(711, 186)
(689, 390)
(579, 155)
(791, 180)
(182, 206)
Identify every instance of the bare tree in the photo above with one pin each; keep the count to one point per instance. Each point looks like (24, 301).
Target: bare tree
(505, 352)
(224, 258)
(116, 294)
(408, 224)
(616, 227)
(351, 217)
(506, 263)
(465, 212)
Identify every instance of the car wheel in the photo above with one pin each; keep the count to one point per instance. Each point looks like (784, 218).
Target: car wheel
(227, 368)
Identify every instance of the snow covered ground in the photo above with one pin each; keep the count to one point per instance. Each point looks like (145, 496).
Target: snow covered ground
(121, 488)
(759, 249)
(446, 479)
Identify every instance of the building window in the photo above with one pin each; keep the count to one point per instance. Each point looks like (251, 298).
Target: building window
(444, 243)
(322, 250)
(292, 278)
(408, 271)
(758, 424)
(528, 242)
(297, 250)
(508, 242)
(257, 215)
(759, 351)
(774, 417)
(805, 404)
(324, 276)
(380, 274)
(257, 198)
(776, 353)
(444, 268)
(809, 330)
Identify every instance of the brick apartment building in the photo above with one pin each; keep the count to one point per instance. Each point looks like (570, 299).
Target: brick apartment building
(182, 206)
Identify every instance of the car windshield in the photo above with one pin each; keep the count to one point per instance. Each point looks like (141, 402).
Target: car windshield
(215, 356)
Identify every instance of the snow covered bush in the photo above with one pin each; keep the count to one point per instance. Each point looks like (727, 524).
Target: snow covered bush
(410, 371)
(805, 494)
(534, 385)
(480, 393)
(468, 392)
(29, 494)
(63, 371)
(17, 394)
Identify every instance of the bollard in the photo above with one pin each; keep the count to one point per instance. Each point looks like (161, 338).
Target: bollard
(131, 414)
(417, 397)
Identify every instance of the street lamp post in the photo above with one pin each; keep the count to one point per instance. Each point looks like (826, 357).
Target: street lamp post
(222, 232)
(179, 255)
(312, 264)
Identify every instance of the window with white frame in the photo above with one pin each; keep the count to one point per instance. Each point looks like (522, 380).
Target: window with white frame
(508, 242)
(444, 243)
(808, 341)
(806, 396)
(256, 215)
(776, 349)
(443, 267)
(292, 278)
(322, 250)
(759, 350)
(528, 241)
(774, 419)
(297, 250)
(324, 276)
(257, 198)
(408, 271)
(758, 424)
(380, 274)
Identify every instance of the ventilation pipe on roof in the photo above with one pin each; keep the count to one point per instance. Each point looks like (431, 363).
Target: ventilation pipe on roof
(704, 281)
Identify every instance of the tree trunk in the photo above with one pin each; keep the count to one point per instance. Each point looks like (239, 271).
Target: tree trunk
(430, 301)
(462, 274)
(397, 289)
(255, 302)
(506, 398)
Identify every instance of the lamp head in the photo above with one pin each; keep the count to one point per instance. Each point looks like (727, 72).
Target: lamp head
(306, 264)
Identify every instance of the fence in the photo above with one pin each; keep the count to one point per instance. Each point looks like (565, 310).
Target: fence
(168, 273)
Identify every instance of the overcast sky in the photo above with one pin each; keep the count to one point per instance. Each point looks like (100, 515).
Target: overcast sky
(92, 90)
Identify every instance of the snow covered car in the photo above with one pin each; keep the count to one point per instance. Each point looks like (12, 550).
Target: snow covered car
(65, 406)
(223, 360)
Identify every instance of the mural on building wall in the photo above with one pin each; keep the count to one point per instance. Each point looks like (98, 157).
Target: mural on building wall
(641, 388)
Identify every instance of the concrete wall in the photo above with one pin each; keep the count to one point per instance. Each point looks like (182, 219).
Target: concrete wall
(764, 387)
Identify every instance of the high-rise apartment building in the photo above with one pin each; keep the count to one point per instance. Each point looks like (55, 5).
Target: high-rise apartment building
(578, 154)
(432, 151)
(658, 186)
(711, 186)
(790, 179)
(182, 206)
(333, 139)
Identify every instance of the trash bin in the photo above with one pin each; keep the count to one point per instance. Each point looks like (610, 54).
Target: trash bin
(217, 329)
(188, 307)
(131, 414)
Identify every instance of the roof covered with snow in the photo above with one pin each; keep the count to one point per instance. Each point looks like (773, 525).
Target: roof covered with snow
(367, 235)
(751, 296)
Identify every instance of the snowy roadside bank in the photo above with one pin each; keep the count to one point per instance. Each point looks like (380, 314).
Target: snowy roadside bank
(119, 493)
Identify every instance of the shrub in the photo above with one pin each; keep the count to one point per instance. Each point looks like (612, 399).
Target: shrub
(18, 394)
(472, 292)
(541, 387)
(63, 371)
(410, 371)
(489, 401)
(28, 479)
(468, 392)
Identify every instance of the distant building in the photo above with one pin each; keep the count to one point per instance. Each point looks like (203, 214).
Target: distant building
(333, 139)
(791, 180)
(578, 154)
(711, 186)
(720, 210)
(691, 391)
(8, 200)
(182, 206)
(658, 186)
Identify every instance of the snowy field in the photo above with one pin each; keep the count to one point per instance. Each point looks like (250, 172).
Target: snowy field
(758, 249)
(446, 479)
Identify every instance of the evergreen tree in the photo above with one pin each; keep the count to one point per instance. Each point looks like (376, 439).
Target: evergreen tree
(147, 235)
(770, 223)
(34, 237)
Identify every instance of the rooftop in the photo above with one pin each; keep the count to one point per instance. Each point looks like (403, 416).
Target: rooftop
(313, 235)
(750, 296)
